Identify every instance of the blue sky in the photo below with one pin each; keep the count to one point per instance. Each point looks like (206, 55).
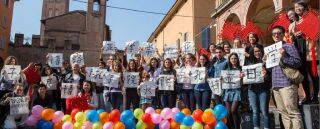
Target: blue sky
(125, 25)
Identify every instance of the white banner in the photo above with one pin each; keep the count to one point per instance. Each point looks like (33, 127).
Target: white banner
(149, 49)
(252, 74)
(77, 58)
(215, 86)
(98, 75)
(231, 79)
(198, 75)
(55, 60)
(188, 47)
(131, 79)
(273, 54)
(183, 75)
(69, 90)
(148, 88)
(89, 73)
(171, 51)
(109, 47)
(19, 105)
(11, 72)
(166, 82)
(111, 79)
(240, 52)
(132, 47)
(50, 81)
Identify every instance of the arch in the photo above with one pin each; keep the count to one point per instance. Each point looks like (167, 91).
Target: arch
(234, 18)
(96, 6)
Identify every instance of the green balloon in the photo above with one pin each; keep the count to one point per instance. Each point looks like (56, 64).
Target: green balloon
(140, 125)
(208, 110)
(184, 127)
(80, 117)
(197, 125)
(138, 113)
(97, 125)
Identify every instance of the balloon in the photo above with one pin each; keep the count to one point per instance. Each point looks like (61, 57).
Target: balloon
(156, 118)
(149, 110)
(224, 120)
(40, 123)
(221, 125)
(209, 110)
(58, 125)
(140, 125)
(66, 118)
(57, 116)
(67, 125)
(77, 125)
(93, 116)
(80, 117)
(164, 124)
(114, 116)
(208, 118)
(74, 112)
(158, 111)
(186, 111)
(126, 115)
(138, 113)
(184, 127)
(197, 115)
(188, 121)
(47, 125)
(150, 126)
(104, 116)
(197, 125)
(47, 114)
(87, 125)
(220, 111)
(208, 126)
(174, 125)
(129, 124)
(31, 121)
(175, 110)
(119, 125)
(166, 113)
(37, 110)
(146, 118)
(179, 117)
(108, 125)
(97, 125)
(100, 111)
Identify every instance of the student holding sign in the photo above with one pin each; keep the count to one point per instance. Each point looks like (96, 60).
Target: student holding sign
(8, 120)
(115, 93)
(145, 101)
(88, 92)
(131, 93)
(51, 81)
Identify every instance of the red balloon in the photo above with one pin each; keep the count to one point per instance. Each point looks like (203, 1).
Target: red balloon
(74, 112)
(146, 118)
(114, 116)
(197, 115)
(207, 126)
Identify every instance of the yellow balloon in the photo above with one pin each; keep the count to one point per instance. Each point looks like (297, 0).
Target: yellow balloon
(97, 125)
(77, 125)
(80, 117)
(66, 118)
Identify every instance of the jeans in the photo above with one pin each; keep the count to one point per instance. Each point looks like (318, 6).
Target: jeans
(168, 99)
(203, 99)
(188, 98)
(259, 101)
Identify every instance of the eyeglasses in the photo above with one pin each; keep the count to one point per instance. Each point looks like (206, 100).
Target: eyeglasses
(276, 33)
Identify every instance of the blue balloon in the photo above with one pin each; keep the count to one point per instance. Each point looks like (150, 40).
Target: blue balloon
(40, 123)
(93, 116)
(179, 117)
(100, 111)
(188, 121)
(221, 125)
(47, 125)
(126, 115)
(220, 111)
(130, 124)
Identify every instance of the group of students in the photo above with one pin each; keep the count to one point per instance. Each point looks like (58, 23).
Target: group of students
(192, 95)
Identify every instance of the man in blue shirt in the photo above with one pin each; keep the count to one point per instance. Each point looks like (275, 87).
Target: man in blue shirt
(218, 62)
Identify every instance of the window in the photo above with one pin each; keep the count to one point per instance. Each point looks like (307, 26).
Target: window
(56, 12)
(50, 13)
(178, 43)
(67, 44)
(6, 3)
(205, 37)
(96, 6)
(4, 22)
(185, 37)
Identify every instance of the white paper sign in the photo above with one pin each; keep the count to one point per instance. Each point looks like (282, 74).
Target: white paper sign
(273, 54)
(171, 51)
(252, 74)
(148, 88)
(183, 75)
(69, 90)
(149, 49)
(198, 75)
(240, 52)
(111, 79)
(231, 79)
(188, 47)
(166, 82)
(131, 79)
(132, 47)
(55, 60)
(98, 75)
(12, 72)
(89, 73)
(19, 105)
(77, 58)
(50, 81)
(109, 47)
(215, 85)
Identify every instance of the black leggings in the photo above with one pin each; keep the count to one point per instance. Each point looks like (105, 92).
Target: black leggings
(233, 116)
(131, 98)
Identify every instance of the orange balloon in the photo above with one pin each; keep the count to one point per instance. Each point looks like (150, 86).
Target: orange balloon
(58, 125)
(150, 125)
(224, 120)
(186, 111)
(119, 125)
(104, 116)
(208, 118)
(174, 125)
(158, 111)
(47, 114)
(74, 112)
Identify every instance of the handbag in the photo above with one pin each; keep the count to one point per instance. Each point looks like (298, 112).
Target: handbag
(292, 74)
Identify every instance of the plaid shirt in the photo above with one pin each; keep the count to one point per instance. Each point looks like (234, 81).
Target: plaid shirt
(290, 59)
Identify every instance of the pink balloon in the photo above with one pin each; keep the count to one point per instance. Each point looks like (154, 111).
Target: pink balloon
(31, 121)
(149, 110)
(108, 125)
(166, 113)
(156, 118)
(67, 125)
(57, 116)
(37, 110)
(174, 111)
(87, 125)
(164, 124)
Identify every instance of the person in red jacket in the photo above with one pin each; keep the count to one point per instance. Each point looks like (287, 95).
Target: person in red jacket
(33, 75)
